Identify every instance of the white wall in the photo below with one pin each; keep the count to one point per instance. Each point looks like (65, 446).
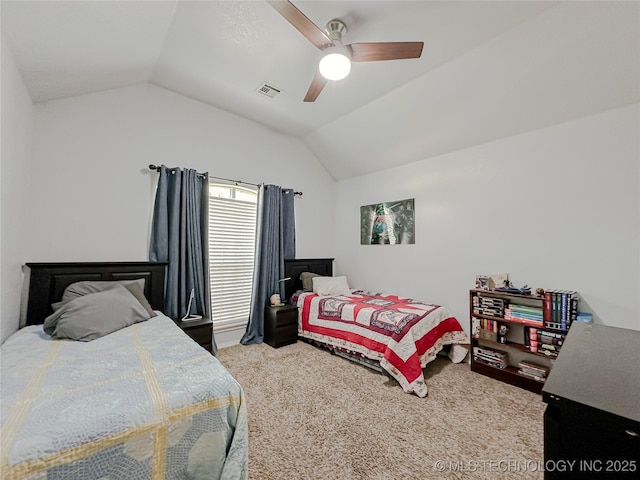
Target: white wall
(92, 195)
(555, 208)
(16, 139)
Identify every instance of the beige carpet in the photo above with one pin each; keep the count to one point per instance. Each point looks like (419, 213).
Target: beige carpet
(313, 415)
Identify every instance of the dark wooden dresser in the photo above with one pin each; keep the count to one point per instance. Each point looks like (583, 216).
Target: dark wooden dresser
(592, 419)
(281, 325)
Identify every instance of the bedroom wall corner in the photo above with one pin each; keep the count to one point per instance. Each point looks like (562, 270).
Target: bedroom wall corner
(90, 159)
(16, 127)
(557, 207)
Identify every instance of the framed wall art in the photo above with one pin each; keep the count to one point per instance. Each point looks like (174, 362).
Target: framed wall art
(388, 223)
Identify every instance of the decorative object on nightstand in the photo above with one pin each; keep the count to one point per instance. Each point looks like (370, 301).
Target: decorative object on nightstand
(275, 299)
(187, 317)
(281, 325)
(200, 330)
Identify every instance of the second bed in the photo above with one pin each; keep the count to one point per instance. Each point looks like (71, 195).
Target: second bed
(394, 334)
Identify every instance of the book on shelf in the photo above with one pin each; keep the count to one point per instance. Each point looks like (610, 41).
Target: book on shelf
(533, 368)
(493, 307)
(489, 325)
(573, 312)
(530, 366)
(526, 309)
(484, 299)
(547, 333)
(543, 349)
(490, 352)
(540, 339)
(531, 375)
(532, 335)
(524, 321)
(560, 308)
(547, 307)
(490, 363)
(543, 341)
(547, 349)
(489, 356)
(511, 313)
(555, 326)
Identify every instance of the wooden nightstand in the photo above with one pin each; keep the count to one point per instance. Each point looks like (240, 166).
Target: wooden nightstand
(201, 331)
(281, 325)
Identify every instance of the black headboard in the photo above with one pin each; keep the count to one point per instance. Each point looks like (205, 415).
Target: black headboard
(47, 282)
(293, 269)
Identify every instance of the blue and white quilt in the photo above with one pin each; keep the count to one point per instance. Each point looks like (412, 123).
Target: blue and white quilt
(145, 402)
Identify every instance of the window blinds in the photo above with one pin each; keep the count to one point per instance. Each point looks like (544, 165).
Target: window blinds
(232, 229)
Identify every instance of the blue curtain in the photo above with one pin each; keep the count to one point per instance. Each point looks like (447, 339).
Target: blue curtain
(275, 242)
(179, 237)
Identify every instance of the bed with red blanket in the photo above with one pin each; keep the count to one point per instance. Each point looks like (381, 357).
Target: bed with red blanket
(399, 334)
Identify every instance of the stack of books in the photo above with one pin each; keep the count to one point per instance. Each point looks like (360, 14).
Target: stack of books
(524, 314)
(531, 370)
(489, 356)
(543, 341)
(493, 307)
(560, 308)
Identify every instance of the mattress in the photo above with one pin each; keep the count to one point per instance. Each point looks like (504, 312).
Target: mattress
(145, 402)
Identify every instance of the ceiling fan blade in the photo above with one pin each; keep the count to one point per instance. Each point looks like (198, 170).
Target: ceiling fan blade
(375, 51)
(317, 84)
(305, 26)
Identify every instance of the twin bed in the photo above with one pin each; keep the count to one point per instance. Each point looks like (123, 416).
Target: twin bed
(396, 335)
(142, 402)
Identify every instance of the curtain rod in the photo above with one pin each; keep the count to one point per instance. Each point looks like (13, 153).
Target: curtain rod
(236, 182)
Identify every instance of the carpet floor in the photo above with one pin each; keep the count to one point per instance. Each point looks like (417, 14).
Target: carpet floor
(313, 415)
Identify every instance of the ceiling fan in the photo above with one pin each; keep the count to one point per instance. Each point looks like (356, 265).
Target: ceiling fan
(337, 57)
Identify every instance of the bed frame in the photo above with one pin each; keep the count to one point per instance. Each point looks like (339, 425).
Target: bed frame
(321, 266)
(293, 269)
(47, 282)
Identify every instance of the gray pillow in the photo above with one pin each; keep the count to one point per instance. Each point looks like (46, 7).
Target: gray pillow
(95, 315)
(307, 282)
(136, 291)
(79, 289)
(57, 305)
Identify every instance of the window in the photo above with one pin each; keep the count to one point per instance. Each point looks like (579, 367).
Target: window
(232, 232)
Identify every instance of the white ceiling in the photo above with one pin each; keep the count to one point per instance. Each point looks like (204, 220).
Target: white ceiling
(489, 69)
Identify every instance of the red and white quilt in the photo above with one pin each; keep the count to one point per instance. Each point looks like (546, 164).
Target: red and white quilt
(401, 333)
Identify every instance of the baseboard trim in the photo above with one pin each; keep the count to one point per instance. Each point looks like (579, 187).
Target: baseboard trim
(229, 337)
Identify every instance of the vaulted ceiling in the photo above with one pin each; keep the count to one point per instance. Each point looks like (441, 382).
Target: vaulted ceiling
(489, 69)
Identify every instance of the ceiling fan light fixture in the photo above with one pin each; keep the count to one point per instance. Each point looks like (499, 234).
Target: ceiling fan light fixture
(335, 66)
(335, 63)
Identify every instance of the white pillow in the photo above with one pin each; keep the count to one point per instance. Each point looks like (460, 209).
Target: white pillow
(330, 286)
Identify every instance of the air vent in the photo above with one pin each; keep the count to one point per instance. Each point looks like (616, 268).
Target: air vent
(268, 90)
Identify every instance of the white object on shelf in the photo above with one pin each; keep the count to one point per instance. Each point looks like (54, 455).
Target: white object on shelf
(188, 317)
